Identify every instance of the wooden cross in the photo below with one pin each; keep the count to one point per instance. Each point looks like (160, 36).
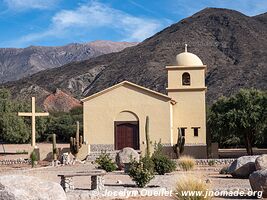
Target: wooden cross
(33, 114)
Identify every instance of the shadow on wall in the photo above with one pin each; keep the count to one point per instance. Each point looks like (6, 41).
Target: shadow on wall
(198, 152)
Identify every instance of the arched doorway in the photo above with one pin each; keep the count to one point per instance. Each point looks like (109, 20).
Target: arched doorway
(126, 131)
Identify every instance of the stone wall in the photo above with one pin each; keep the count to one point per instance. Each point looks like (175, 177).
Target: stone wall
(15, 161)
(45, 151)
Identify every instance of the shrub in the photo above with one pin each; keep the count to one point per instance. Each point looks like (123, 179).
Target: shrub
(211, 162)
(186, 163)
(162, 163)
(33, 158)
(224, 170)
(140, 172)
(190, 183)
(147, 163)
(105, 162)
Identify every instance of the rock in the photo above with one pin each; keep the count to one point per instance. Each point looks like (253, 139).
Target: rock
(243, 167)
(124, 156)
(208, 181)
(258, 181)
(67, 159)
(55, 163)
(261, 162)
(5, 195)
(20, 187)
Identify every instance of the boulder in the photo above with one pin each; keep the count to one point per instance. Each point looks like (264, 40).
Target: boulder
(258, 181)
(124, 156)
(20, 187)
(261, 162)
(242, 167)
(67, 159)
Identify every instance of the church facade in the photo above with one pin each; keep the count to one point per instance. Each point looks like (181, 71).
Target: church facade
(115, 117)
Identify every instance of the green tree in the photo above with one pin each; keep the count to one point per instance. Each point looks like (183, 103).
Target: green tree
(63, 124)
(5, 103)
(239, 118)
(13, 129)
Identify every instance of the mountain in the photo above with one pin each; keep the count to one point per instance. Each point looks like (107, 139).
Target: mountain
(262, 18)
(16, 63)
(232, 45)
(60, 101)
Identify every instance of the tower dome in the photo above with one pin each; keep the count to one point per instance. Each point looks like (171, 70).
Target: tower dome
(188, 59)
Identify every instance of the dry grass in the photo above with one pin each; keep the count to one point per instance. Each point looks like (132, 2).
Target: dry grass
(190, 183)
(186, 163)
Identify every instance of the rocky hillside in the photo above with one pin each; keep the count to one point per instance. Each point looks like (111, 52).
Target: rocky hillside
(60, 101)
(233, 46)
(18, 63)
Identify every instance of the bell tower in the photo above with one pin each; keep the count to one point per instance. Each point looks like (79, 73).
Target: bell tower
(186, 86)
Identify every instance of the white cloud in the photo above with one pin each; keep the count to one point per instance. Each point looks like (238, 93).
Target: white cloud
(20, 5)
(92, 16)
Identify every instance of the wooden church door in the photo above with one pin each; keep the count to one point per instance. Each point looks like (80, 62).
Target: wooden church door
(126, 135)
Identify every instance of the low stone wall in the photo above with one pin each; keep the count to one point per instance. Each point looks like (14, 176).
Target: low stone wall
(93, 155)
(44, 153)
(214, 161)
(15, 161)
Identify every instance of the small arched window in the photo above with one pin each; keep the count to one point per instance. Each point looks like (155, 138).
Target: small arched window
(186, 78)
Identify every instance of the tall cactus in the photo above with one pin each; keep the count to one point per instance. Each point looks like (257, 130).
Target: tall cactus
(54, 148)
(76, 143)
(147, 137)
(179, 146)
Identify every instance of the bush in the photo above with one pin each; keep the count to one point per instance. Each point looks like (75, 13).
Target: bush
(162, 163)
(224, 170)
(140, 172)
(147, 163)
(186, 163)
(105, 162)
(190, 183)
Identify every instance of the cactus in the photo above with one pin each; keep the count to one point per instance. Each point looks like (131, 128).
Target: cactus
(54, 148)
(147, 137)
(179, 146)
(76, 143)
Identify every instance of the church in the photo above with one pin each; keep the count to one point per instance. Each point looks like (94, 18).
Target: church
(115, 118)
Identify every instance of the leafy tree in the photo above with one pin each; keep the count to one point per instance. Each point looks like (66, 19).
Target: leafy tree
(5, 103)
(13, 129)
(63, 124)
(240, 118)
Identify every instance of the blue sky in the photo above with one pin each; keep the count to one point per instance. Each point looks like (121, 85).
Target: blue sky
(59, 22)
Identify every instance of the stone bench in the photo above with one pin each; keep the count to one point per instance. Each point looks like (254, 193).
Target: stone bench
(97, 180)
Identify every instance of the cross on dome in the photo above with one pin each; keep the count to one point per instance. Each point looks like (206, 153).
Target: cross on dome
(188, 59)
(185, 48)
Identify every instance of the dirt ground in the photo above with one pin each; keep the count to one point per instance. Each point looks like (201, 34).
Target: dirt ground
(206, 173)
